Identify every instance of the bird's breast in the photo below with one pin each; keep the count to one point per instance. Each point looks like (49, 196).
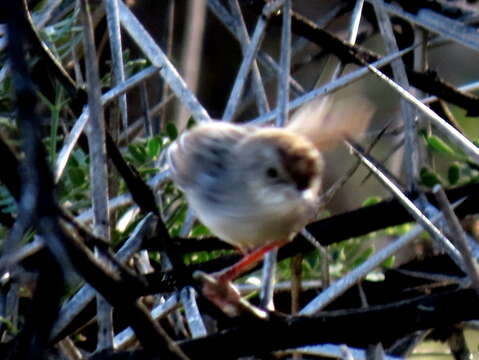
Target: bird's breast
(248, 229)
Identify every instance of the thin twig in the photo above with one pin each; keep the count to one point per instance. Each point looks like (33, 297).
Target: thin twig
(285, 64)
(231, 25)
(74, 135)
(145, 105)
(427, 82)
(439, 123)
(407, 111)
(192, 313)
(248, 57)
(269, 266)
(437, 23)
(296, 268)
(355, 21)
(124, 338)
(113, 21)
(344, 283)
(330, 351)
(124, 199)
(244, 40)
(422, 219)
(191, 53)
(333, 86)
(22, 253)
(472, 86)
(98, 168)
(158, 58)
(458, 236)
(166, 43)
(268, 280)
(346, 353)
(85, 295)
(69, 350)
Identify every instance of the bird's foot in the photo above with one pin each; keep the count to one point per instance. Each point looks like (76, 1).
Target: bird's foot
(225, 295)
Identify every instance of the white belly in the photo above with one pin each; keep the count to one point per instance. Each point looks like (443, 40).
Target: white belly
(248, 232)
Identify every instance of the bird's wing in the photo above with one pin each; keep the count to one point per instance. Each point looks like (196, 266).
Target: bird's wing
(200, 156)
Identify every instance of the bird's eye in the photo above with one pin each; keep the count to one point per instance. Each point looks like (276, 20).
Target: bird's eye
(272, 173)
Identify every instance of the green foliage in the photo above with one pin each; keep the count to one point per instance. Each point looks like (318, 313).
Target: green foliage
(143, 154)
(454, 173)
(137, 153)
(389, 262)
(172, 131)
(436, 144)
(74, 187)
(154, 146)
(8, 205)
(452, 167)
(63, 36)
(397, 230)
(132, 66)
(372, 200)
(200, 231)
(429, 178)
(203, 256)
(55, 109)
(5, 97)
(12, 330)
(349, 254)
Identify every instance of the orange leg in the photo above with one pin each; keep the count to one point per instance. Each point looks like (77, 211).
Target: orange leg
(218, 288)
(237, 269)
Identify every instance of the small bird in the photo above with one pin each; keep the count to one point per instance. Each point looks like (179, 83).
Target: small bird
(256, 187)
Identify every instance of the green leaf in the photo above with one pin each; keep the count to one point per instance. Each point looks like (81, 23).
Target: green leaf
(135, 65)
(153, 147)
(372, 200)
(428, 178)
(423, 133)
(9, 325)
(148, 171)
(77, 176)
(200, 230)
(439, 145)
(453, 174)
(191, 122)
(171, 131)
(389, 262)
(363, 256)
(138, 153)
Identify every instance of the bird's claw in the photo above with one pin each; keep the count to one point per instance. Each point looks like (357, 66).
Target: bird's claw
(226, 296)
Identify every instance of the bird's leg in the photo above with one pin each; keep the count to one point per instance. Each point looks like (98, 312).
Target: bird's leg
(246, 262)
(219, 289)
